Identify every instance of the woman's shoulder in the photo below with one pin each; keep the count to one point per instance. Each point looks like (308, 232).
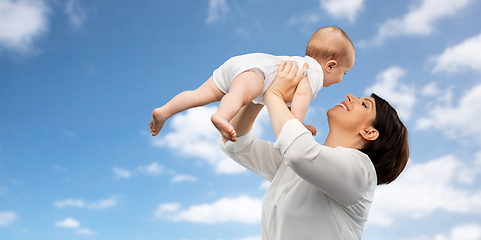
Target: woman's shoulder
(361, 157)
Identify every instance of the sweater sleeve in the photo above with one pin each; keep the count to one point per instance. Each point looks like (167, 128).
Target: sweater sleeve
(343, 174)
(255, 154)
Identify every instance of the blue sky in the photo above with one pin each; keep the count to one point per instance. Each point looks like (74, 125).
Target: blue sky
(80, 78)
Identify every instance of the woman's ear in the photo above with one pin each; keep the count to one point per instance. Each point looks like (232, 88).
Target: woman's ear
(369, 134)
(330, 65)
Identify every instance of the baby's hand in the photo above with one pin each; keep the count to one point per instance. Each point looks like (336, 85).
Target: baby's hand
(312, 129)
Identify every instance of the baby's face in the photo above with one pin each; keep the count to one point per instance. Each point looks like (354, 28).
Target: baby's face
(335, 75)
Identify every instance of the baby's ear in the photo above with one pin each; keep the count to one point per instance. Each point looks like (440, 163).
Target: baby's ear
(369, 133)
(330, 65)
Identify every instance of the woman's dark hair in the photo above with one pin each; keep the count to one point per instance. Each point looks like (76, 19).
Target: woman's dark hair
(390, 151)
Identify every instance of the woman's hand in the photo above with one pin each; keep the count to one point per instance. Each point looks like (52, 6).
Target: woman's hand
(285, 83)
(281, 91)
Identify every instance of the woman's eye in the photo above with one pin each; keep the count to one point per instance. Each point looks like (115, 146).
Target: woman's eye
(364, 105)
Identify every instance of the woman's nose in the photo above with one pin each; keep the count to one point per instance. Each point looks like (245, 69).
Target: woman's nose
(350, 97)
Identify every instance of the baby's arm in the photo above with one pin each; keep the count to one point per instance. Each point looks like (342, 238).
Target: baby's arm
(301, 99)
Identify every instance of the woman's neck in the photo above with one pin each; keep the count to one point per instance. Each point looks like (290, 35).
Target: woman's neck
(343, 139)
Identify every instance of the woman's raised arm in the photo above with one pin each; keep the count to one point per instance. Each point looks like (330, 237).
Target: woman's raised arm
(281, 91)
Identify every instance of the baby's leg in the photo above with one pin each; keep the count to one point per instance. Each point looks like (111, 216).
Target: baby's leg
(205, 94)
(244, 88)
(244, 119)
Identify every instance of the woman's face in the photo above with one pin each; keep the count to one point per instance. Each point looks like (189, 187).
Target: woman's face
(353, 114)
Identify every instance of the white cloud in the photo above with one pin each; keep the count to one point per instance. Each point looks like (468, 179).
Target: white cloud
(99, 205)
(183, 178)
(69, 203)
(7, 218)
(21, 23)
(75, 13)
(166, 208)
(459, 122)
(339, 9)
(217, 10)
(469, 231)
(388, 86)
(69, 134)
(242, 209)
(265, 185)
(4, 190)
(103, 204)
(304, 19)
(61, 169)
(464, 56)
(153, 169)
(463, 232)
(251, 238)
(431, 89)
(84, 231)
(68, 223)
(195, 136)
(72, 223)
(423, 188)
(121, 173)
(420, 19)
(242, 32)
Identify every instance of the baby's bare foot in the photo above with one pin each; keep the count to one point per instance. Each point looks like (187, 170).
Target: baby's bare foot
(224, 127)
(157, 121)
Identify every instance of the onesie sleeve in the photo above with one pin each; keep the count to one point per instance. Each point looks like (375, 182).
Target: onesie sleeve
(253, 153)
(343, 174)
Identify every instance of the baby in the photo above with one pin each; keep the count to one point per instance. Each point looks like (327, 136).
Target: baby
(330, 54)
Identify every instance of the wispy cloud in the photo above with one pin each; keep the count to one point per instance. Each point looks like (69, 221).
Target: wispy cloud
(184, 178)
(304, 19)
(265, 185)
(153, 169)
(389, 87)
(243, 209)
(68, 223)
(462, 57)
(59, 168)
(21, 23)
(84, 231)
(69, 203)
(4, 190)
(103, 204)
(121, 173)
(242, 32)
(427, 187)
(7, 218)
(458, 121)
(217, 10)
(250, 238)
(72, 223)
(76, 14)
(419, 20)
(469, 231)
(79, 203)
(343, 9)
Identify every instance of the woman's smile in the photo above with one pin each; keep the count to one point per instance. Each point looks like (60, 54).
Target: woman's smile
(344, 106)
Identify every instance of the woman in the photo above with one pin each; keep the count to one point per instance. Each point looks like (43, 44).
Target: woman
(320, 191)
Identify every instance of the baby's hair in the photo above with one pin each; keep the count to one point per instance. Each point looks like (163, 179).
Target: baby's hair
(330, 43)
